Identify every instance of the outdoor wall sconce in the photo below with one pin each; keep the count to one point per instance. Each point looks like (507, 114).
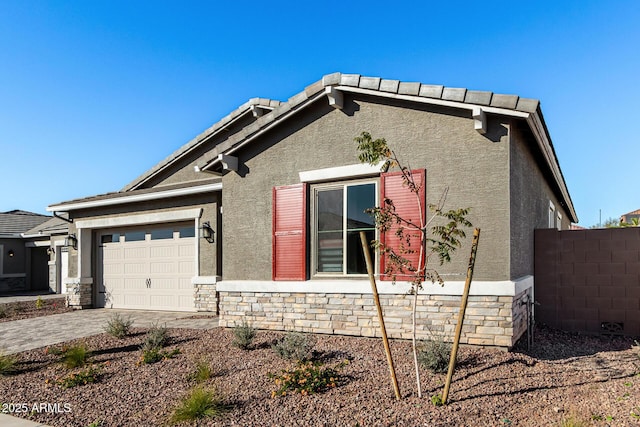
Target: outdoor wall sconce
(71, 241)
(11, 253)
(206, 232)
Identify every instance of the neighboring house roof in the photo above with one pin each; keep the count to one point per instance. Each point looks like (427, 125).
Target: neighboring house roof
(48, 228)
(636, 212)
(248, 107)
(16, 222)
(132, 196)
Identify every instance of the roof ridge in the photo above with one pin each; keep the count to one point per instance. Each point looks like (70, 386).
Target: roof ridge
(423, 90)
(193, 142)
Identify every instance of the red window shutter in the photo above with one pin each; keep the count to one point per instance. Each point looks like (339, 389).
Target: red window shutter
(289, 232)
(407, 207)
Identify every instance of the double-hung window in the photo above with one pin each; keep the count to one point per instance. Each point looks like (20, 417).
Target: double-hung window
(339, 216)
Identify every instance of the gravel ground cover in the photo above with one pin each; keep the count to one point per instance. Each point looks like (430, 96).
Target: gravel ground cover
(564, 381)
(27, 309)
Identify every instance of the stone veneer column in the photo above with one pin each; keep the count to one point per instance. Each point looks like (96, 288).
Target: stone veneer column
(79, 293)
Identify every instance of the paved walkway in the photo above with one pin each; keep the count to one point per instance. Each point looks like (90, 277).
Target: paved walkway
(8, 421)
(28, 334)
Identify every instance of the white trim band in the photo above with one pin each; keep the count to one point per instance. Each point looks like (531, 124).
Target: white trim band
(134, 198)
(339, 172)
(478, 288)
(205, 280)
(139, 219)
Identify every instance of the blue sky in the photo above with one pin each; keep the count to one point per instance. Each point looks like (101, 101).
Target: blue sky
(92, 94)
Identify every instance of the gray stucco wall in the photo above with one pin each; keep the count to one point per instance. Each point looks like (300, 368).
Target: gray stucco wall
(208, 260)
(530, 196)
(443, 141)
(183, 169)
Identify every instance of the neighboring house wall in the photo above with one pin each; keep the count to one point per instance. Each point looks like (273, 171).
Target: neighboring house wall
(589, 280)
(13, 275)
(443, 141)
(530, 194)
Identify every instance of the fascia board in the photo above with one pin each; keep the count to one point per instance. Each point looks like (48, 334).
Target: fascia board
(275, 122)
(136, 198)
(536, 126)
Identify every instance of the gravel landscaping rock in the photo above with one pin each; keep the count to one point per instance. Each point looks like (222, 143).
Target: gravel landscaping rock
(28, 309)
(565, 377)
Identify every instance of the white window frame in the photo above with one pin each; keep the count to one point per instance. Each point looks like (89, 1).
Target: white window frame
(314, 226)
(552, 215)
(559, 221)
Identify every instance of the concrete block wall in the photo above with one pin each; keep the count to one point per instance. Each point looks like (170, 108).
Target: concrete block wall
(589, 280)
(489, 320)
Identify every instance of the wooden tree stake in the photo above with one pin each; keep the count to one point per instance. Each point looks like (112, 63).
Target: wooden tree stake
(463, 308)
(376, 298)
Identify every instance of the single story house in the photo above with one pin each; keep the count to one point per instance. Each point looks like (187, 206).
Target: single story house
(23, 260)
(255, 218)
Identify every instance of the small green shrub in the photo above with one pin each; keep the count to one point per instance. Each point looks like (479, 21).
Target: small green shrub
(96, 423)
(75, 356)
(39, 303)
(434, 355)
(154, 355)
(156, 338)
(295, 346)
(89, 375)
(8, 364)
(306, 378)
(202, 372)
(118, 326)
(436, 400)
(199, 403)
(244, 335)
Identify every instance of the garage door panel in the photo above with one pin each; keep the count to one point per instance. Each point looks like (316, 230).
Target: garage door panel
(147, 273)
(136, 251)
(114, 269)
(185, 267)
(163, 268)
(135, 300)
(163, 251)
(187, 251)
(185, 284)
(112, 253)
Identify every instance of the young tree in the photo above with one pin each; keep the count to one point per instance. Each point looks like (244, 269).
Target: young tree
(433, 239)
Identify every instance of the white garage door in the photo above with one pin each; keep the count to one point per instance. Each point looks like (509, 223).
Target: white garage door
(147, 268)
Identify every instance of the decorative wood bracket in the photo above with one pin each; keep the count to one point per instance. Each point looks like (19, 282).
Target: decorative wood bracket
(336, 100)
(479, 120)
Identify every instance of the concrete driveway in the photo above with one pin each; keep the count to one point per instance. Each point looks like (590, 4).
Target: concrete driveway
(28, 334)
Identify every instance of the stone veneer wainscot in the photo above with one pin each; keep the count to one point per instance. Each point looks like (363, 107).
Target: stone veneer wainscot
(490, 320)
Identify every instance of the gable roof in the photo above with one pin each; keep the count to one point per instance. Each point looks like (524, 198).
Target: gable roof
(48, 228)
(248, 107)
(478, 103)
(331, 87)
(14, 222)
(636, 212)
